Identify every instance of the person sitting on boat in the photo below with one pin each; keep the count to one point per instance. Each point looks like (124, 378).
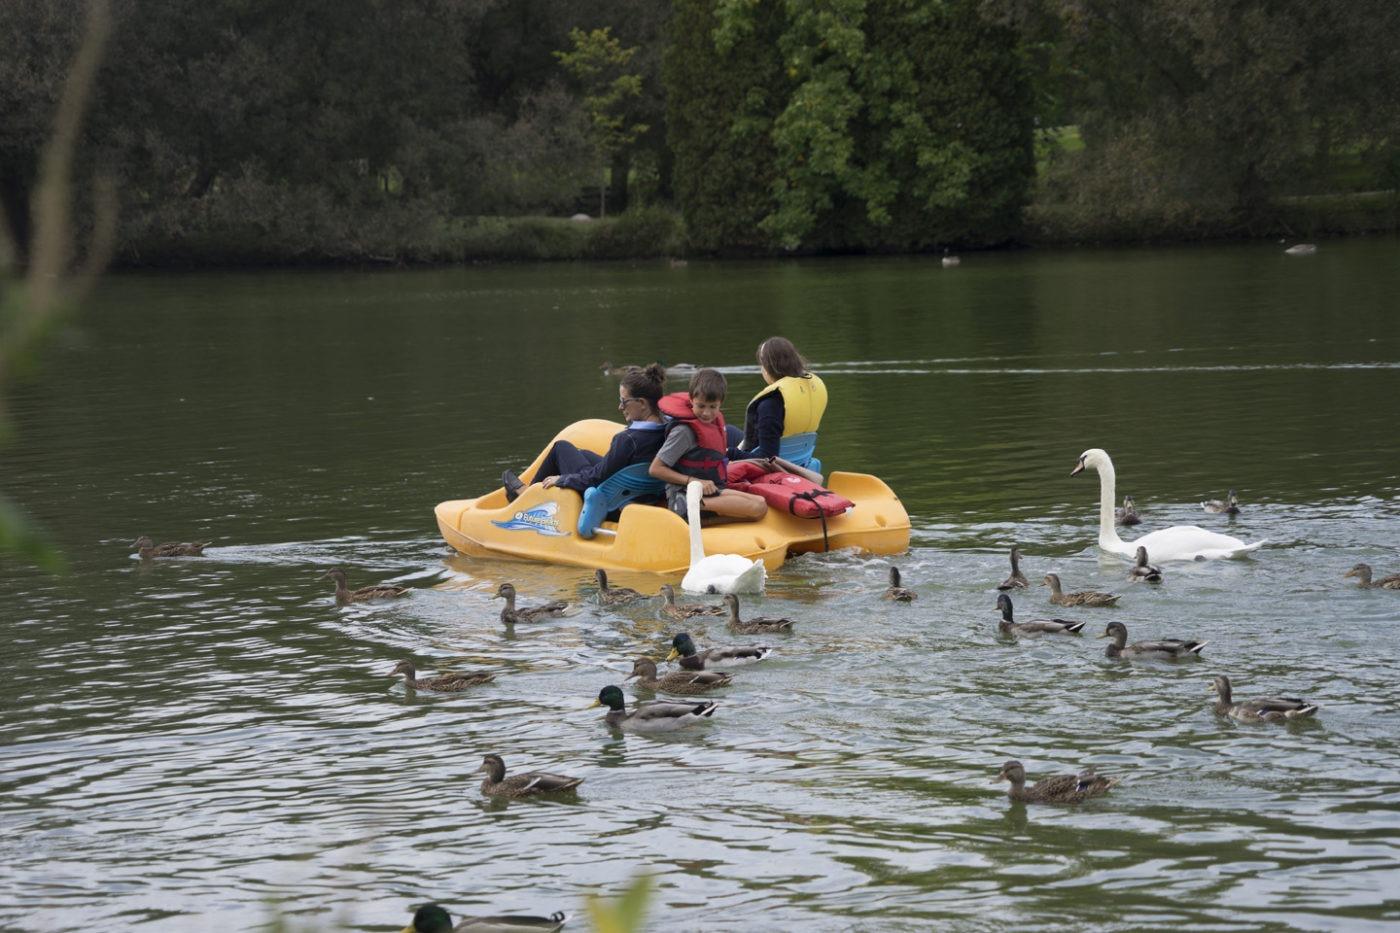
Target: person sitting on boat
(792, 403)
(638, 397)
(695, 448)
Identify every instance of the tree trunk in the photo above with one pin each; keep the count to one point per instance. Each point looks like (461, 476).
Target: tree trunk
(14, 206)
(617, 188)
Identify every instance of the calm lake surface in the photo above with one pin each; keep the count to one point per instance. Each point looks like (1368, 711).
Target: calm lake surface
(200, 743)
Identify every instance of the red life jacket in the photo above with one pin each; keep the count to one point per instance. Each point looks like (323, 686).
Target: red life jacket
(786, 491)
(708, 458)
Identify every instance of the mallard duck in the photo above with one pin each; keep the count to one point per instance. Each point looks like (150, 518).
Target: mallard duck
(753, 626)
(451, 682)
(1017, 580)
(661, 716)
(1167, 649)
(1231, 505)
(1269, 709)
(149, 550)
(896, 592)
(510, 615)
(1142, 571)
(1363, 574)
(614, 595)
(343, 593)
(430, 918)
(1127, 515)
(1009, 626)
(529, 784)
(685, 683)
(1082, 598)
(683, 648)
(1062, 788)
(677, 611)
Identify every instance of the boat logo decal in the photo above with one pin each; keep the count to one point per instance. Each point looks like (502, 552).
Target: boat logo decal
(540, 520)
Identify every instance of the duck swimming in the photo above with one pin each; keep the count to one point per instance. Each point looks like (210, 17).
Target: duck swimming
(451, 682)
(1166, 649)
(753, 626)
(1268, 709)
(896, 592)
(614, 595)
(660, 716)
(1142, 571)
(685, 683)
(1362, 572)
(149, 550)
(1017, 580)
(1009, 626)
(1062, 788)
(344, 595)
(510, 615)
(430, 918)
(1231, 505)
(690, 610)
(683, 648)
(529, 784)
(1081, 598)
(1127, 515)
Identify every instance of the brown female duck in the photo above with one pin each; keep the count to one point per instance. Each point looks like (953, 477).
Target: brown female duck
(614, 595)
(511, 615)
(1128, 514)
(1082, 598)
(1362, 572)
(451, 682)
(685, 683)
(149, 550)
(753, 626)
(529, 784)
(1062, 788)
(343, 593)
(1017, 580)
(1231, 505)
(1142, 571)
(896, 592)
(676, 611)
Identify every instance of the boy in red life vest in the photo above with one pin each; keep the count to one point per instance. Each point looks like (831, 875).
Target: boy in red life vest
(695, 448)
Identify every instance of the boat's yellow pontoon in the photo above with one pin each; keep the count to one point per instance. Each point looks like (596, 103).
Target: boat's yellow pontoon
(542, 524)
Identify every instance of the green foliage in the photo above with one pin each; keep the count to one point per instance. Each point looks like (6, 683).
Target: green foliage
(626, 913)
(876, 124)
(52, 285)
(597, 62)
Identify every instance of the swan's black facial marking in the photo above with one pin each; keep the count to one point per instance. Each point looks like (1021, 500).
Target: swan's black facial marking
(1078, 467)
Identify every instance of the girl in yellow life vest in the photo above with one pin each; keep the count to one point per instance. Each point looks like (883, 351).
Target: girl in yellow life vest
(792, 403)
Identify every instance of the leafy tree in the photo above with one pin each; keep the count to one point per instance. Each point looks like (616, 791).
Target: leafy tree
(598, 63)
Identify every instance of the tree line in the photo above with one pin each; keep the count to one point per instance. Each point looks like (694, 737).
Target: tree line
(359, 128)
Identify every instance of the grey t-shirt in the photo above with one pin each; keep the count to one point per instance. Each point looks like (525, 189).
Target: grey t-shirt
(680, 440)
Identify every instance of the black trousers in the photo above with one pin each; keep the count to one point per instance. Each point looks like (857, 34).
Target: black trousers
(563, 458)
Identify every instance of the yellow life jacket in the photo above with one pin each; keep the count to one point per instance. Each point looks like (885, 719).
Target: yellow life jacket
(804, 402)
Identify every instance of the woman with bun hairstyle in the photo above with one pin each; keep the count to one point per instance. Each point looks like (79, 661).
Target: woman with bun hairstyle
(566, 465)
(792, 403)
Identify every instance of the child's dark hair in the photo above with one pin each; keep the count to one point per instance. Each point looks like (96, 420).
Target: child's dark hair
(708, 385)
(780, 358)
(646, 383)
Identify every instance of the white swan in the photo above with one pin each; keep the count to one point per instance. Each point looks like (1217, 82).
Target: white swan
(1181, 542)
(718, 573)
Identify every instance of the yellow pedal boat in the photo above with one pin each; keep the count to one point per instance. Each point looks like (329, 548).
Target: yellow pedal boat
(542, 524)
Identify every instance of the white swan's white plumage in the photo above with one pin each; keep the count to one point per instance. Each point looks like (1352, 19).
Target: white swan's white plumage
(1181, 542)
(718, 573)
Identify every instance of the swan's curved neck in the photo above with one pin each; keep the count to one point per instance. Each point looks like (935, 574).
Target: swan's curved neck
(692, 510)
(1108, 531)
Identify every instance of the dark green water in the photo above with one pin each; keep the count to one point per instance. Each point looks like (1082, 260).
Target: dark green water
(186, 743)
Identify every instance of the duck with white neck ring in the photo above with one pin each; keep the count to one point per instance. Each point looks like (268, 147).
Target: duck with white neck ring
(1180, 542)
